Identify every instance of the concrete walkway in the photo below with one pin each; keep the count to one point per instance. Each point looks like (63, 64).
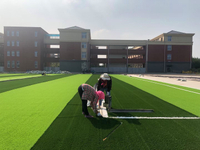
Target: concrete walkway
(192, 81)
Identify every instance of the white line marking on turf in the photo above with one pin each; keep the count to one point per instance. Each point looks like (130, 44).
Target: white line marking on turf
(166, 85)
(166, 118)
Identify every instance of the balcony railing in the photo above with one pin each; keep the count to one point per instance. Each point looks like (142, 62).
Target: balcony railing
(52, 36)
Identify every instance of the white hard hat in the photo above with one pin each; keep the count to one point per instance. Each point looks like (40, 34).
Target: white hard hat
(105, 76)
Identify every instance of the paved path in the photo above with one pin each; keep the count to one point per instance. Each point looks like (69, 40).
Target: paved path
(191, 81)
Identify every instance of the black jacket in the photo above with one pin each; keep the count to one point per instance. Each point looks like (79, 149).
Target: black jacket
(109, 84)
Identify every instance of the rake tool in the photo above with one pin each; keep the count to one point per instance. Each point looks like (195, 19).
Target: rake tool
(113, 131)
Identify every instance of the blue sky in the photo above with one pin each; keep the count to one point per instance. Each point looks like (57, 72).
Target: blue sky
(107, 19)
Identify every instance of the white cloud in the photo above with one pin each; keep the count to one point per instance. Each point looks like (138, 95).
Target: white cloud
(69, 1)
(102, 33)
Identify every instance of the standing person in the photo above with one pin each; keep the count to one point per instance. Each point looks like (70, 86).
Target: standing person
(104, 84)
(87, 92)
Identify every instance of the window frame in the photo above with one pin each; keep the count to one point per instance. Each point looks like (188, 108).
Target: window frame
(36, 44)
(8, 43)
(17, 64)
(36, 64)
(17, 43)
(84, 35)
(8, 53)
(12, 33)
(169, 38)
(13, 64)
(8, 64)
(17, 33)
(84, 45)
(169, 47)
(83, 54)
(13, 53)
(13, 43)
(17, 53)
(36, 53)
(169, 56)
(36, 34)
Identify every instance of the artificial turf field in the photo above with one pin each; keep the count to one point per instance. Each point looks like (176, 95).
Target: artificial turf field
(45, 113)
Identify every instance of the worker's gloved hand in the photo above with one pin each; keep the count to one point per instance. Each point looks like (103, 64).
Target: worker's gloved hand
(108, 93)
(88, 103)
(95, 111)
(99, 115)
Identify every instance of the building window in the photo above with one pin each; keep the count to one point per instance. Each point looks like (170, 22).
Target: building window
(13, 53)
(83, 55)
(169, 47)
(13, 64)
(36, 64)
(8, 33)
(36, 33)
(8, 64)
(36, 53)
(169, 56)
(84, 35)
(17, 43)
(84, 45)
(17, 33)
(8, 43)
(36, 44)
(13, 43)
(17, 53)
(8, 53)
(169, 38)
(18, 64)
(13, 33)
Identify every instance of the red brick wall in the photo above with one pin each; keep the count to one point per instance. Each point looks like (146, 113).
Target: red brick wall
(156, 53)
(1, 54)
(179, 53)
(70, 51)
(26, 48)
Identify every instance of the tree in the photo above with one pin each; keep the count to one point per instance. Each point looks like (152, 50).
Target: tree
(195, 63)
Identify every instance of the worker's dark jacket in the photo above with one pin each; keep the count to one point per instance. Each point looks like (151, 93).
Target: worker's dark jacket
(109, 84)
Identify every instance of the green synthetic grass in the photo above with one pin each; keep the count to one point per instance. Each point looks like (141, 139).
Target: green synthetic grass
(6, 78)
(70, 130)
(14, 84)
(27, 112)
(28, 118)
(183, 99)
(10, 74)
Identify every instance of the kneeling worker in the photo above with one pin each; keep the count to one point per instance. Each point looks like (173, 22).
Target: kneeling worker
(104, 84)
(87, 92)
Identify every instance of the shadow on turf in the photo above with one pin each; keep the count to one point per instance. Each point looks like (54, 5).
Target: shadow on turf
(14, 84)
(72, 124)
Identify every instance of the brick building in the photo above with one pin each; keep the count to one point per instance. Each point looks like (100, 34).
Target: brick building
(1, 52)
(32, 48)
(23, 48)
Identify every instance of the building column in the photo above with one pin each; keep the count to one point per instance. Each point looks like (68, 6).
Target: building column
(191, 57)
(164, 58)
(108, 58)
(126, 59)
(147, 47)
